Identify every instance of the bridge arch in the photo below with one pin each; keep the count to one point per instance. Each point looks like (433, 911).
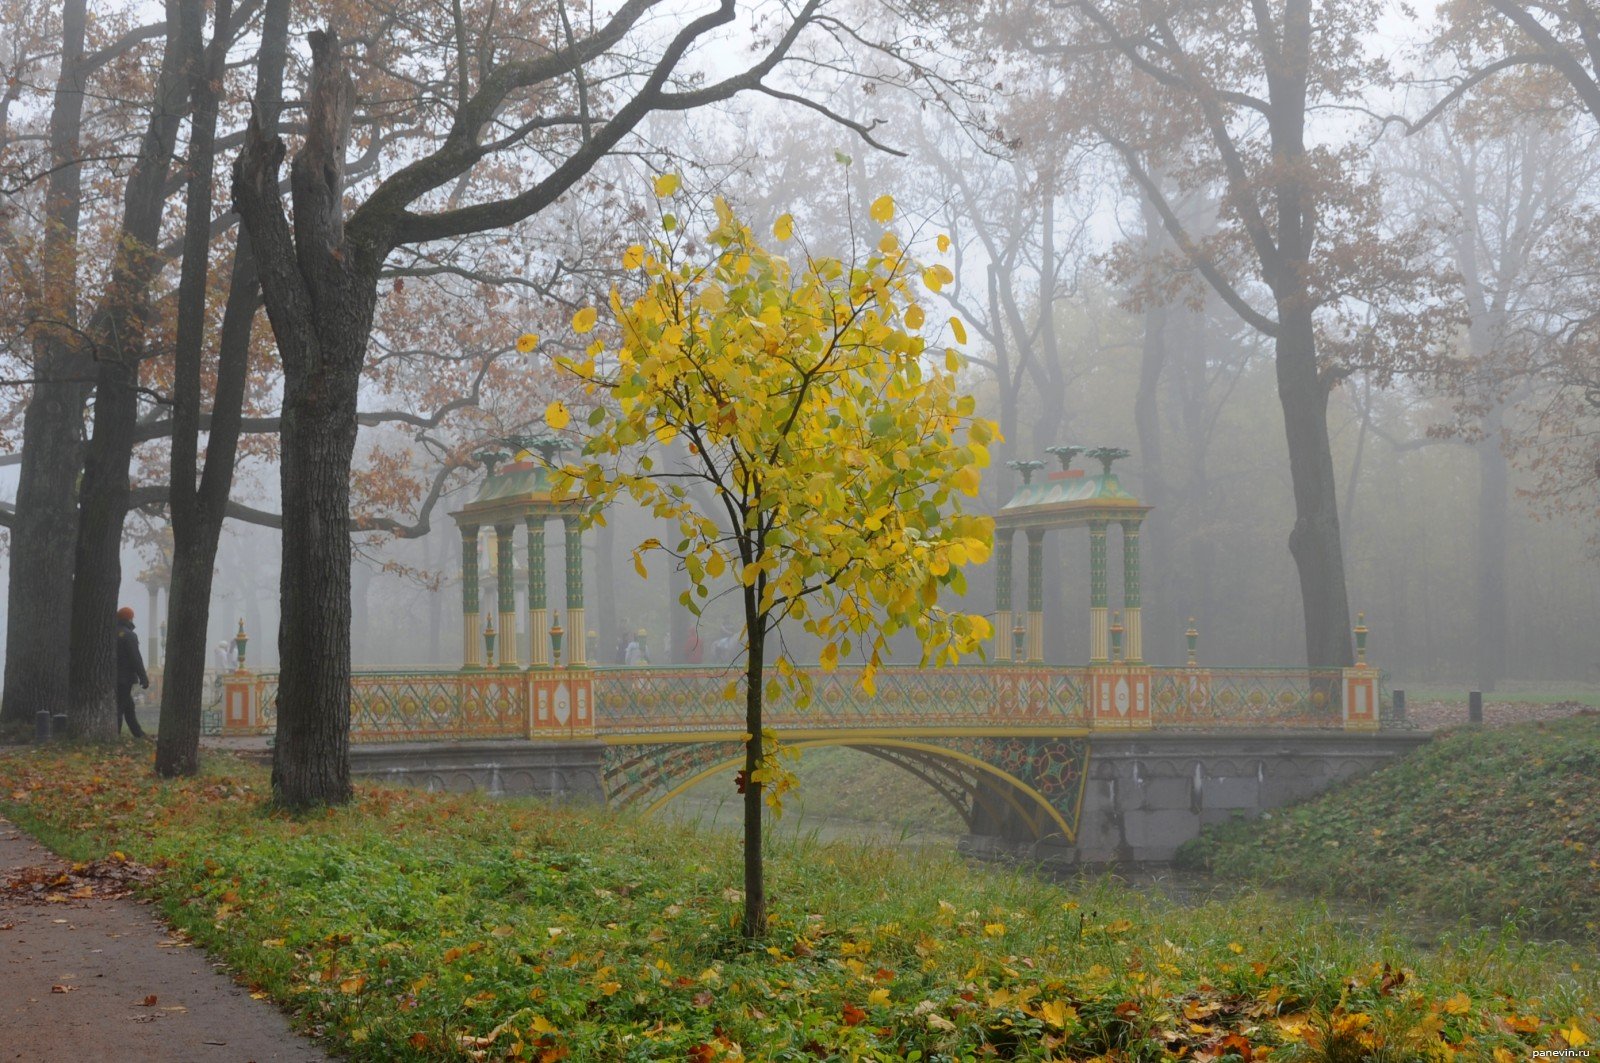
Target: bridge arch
(990, 798)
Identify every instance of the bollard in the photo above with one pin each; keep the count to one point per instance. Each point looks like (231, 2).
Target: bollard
(1475, 708)
(58, 726)
(41, 726)
(1399, 706)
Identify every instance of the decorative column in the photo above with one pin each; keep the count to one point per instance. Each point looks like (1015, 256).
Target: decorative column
(538, 608)
(1035, 595)
(1002, 593)
(472, 649)
(578, 656)
(1130, 591)
(505, 545)
(1099, 619)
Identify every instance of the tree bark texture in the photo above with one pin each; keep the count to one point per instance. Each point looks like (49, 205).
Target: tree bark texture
(44, 534)
(320, 293)
(755, 887)
(197, 511)
(119, 335)
(1314, 542)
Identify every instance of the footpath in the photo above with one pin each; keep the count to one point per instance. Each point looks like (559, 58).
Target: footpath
(88, 972)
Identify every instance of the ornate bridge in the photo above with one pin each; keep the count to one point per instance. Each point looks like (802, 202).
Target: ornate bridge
(1008, 747)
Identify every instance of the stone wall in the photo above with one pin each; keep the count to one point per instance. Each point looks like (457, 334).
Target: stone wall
(567, 770)
(1148, 794)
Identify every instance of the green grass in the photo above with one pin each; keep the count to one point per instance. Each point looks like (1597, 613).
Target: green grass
(414, 926)
(1509, 693)
(1491, 826)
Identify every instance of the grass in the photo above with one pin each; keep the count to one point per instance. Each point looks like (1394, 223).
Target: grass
(414, 926)
(1491, 826)
(1509, 693)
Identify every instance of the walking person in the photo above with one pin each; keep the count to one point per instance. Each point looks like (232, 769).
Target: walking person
(130, 670)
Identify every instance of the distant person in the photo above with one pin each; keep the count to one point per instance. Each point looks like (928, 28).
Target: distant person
(223, 657)
(726, 648)
(636, 654)
(130, 669)
(693, 648)
(624, 640)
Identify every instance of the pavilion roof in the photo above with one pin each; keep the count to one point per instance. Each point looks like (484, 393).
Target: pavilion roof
(512, 492)
(1068, 497)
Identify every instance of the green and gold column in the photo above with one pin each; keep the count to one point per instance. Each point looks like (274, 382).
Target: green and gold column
(1099, 619)
(1002, 593)
(505, 545)
(1035, 595)
(538, 608)
(472, 647)
(578, 655)
(1130, 591)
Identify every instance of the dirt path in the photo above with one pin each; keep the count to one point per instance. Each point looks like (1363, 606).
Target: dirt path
(89, 973)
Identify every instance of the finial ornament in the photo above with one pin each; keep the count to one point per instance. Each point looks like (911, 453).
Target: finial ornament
(490, 458)
(548, 446)
(1105, 456)
(1065, 453)
(1026, 468)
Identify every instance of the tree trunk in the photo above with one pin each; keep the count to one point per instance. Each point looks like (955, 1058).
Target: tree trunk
(320, 290)
(43, 539)
(311, 757)
(197, 510)
(1314, 542)
(755, 888)
(119, 334)
(1160, 631)
(45, 530)
(1493, 521)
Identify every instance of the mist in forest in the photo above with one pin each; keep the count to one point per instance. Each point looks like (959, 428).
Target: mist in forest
(1343, 326)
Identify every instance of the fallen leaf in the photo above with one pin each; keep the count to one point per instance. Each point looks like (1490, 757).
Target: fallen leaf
(148, 1002)
(62, 988)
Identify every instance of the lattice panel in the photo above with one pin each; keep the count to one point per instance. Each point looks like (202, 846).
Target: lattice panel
(643, 774)
(1241, 697)
(399, 707)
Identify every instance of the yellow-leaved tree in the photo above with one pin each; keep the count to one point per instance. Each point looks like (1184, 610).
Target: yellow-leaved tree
(813, 453)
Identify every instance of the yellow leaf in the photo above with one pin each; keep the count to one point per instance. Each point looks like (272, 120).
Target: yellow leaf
(952, 360)
(1057, 1013)
(1573, 1035)
(889, 244)
(830, 657)
(633, 257)
(527, 342)
(882, 209)
(749, 575)
(783, 228)
(541, 1024)
(504, 930)
(994, 930)
(667, 184)
(1460, 1004)
(556, 415)
(878, 996)
(944, 243)
(914, 316)
(584, 320)
(958, 330)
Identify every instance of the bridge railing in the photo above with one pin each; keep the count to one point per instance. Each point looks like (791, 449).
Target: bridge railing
(414, 705)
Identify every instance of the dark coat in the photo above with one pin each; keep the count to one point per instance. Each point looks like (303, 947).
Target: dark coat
(130, 662)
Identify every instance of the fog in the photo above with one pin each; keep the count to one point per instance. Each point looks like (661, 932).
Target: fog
(1379, 338)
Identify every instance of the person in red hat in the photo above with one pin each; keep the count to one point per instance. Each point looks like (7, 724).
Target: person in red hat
(130, 669)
